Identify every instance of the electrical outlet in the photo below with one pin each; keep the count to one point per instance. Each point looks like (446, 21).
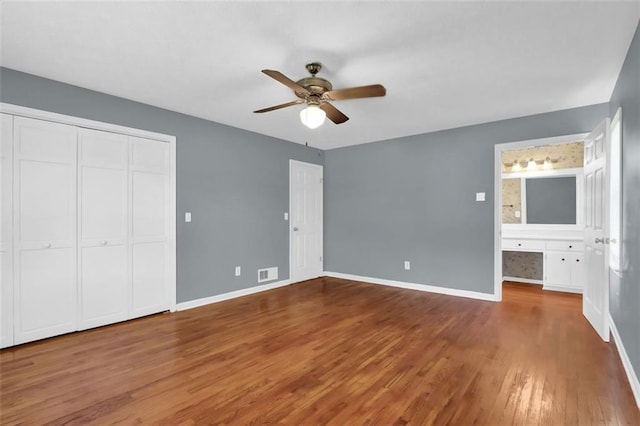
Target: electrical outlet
(238, 271)
(407, 265)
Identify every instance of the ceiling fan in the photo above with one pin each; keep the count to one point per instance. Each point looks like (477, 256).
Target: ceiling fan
(316, 92)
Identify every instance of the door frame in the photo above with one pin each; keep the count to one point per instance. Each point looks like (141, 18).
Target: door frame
(21, 111)
(321, 249)
(497, 207)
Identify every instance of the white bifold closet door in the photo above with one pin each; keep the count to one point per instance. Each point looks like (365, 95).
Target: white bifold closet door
(102, 214)
(45, 294)
(149, 225)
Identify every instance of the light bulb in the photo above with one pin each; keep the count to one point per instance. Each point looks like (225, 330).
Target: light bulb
(547, 163)
(532, 164)
(516, 166)
(312, 116)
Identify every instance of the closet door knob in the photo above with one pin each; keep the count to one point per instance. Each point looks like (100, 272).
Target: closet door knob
(295, 228)
(104, 243)
(48, 245)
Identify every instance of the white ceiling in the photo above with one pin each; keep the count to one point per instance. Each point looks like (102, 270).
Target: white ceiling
(444, 64)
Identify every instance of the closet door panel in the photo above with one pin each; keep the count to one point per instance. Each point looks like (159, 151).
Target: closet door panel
(6, 237)
(103, 207)
(149, 205)
(47, 202)
(104, 285)
(44, 203)
(48, 293)
(149, 196)
(149, 278)
(44, 140)
(104, 292)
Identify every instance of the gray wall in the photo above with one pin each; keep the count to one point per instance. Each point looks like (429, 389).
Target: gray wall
(413, 199)
(235, 183)
(625, 291)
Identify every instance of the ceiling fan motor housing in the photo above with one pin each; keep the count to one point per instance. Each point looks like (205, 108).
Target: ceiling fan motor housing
(314, 85)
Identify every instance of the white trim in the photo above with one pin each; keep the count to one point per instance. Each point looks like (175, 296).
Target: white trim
(626, 362)
(543, 173)
(182, 306)
(523, 280)
(562, 289)
(616, 255)
(497, 207)
(81, 122)
(414, 286)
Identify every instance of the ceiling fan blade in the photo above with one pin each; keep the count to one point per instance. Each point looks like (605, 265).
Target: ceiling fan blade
(333, 113)
(277, 75)
(288, 104)
(370, 91)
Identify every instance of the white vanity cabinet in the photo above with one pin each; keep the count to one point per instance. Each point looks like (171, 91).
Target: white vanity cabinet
(563, 258)
(564, 266)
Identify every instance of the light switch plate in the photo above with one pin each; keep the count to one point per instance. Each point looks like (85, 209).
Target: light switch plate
(480, 196)
(286, 216)
(238, 271)
(187, 217)
(517, 213)
(407, 265)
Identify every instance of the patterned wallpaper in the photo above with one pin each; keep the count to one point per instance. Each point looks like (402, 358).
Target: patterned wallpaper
(522, 264)
(511, 200)
(563, 156)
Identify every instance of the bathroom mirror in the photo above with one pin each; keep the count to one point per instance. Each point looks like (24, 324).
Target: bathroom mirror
(553, 198)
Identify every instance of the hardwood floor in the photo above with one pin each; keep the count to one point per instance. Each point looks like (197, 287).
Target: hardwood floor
(329, 351)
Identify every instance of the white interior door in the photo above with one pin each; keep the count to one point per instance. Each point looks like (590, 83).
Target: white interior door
(305, 205)
(102, 260)
(149, 225)
(595, 298)
(6, 236)
(45, 294)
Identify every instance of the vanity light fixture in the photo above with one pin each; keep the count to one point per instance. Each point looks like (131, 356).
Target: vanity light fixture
(531, 164)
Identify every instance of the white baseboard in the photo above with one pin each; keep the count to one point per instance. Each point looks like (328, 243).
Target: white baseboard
(626, 362)
(562, 289)
(413, 286)
(231, 295)
(522, 280)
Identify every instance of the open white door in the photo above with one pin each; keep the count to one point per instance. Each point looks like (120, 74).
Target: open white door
(595, 298)
(305, 205)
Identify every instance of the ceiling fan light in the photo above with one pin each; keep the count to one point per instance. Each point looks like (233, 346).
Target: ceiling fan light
(312, 116)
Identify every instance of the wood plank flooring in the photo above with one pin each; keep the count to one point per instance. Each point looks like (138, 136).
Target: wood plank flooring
(329, 351)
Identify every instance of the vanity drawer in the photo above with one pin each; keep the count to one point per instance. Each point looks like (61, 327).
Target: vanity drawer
(577, 246)
(522, 244)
